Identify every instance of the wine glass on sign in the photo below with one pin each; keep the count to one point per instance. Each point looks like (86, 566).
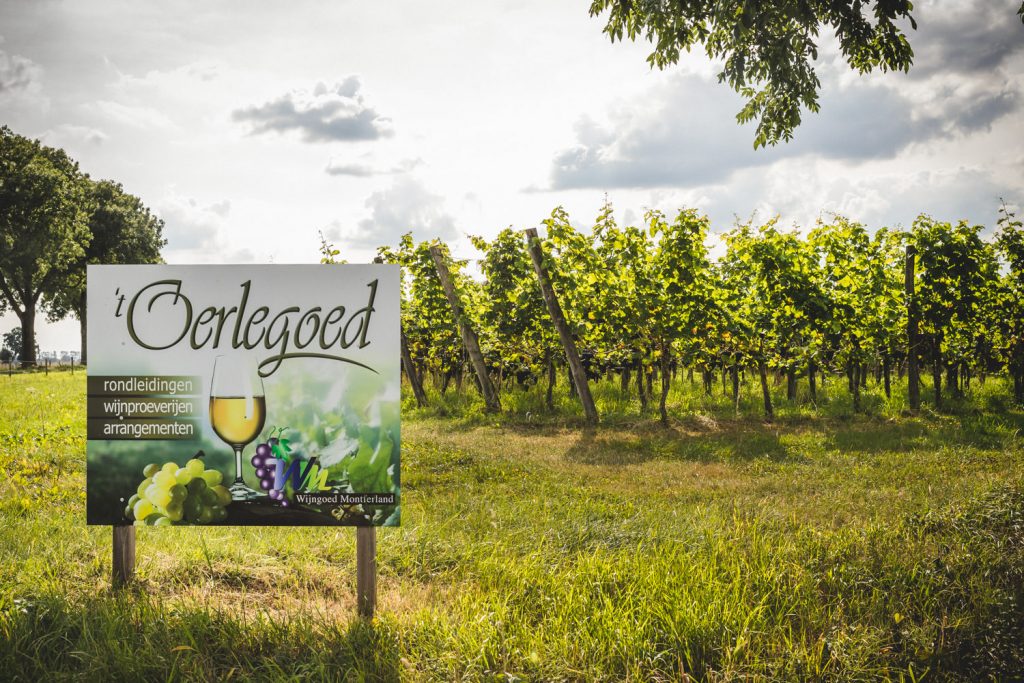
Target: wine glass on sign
(238, 409)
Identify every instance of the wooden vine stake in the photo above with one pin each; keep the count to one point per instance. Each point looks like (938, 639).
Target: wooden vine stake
(469, 338)
(124, 556)
(366, 570)
(579, 375)
(412, 374)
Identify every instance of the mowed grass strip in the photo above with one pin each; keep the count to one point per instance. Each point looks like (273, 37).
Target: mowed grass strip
(824, 547)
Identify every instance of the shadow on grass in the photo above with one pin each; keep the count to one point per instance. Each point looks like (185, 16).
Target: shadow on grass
(133, 637)
(600, 447)
(929, 431)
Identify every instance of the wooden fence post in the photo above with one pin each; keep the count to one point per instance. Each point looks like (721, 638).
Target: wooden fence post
(366, 570)
(124, 555)
(469, 338)
(579, 374)
(913, 381)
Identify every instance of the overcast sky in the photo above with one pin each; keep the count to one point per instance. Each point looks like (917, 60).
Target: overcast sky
(250, 126)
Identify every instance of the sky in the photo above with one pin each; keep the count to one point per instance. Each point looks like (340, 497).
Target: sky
(251, 128)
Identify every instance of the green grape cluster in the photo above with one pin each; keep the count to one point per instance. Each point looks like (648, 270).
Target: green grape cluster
(170, 494)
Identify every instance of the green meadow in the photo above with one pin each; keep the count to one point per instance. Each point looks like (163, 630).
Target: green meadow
(825, 545)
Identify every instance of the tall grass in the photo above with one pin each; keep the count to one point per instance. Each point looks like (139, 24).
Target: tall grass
(823, 546)
(687, 399)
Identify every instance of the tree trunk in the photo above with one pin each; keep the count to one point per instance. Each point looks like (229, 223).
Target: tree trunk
(407, 365)
(82, 319)
(937, 374)
(734, 375)
(913, 381)
(791, 384)
(84, 342)
(887, 375)
(953, 379)
(549, 399)
(555, 310)
(864, 375)
(625, 377)
(812, 381)
(28, 334)
(469, 338)
(858, 370)
(640, 385)
(665, 378)
(765, 391)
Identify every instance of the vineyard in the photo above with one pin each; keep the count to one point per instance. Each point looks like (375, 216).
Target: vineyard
(938, 306)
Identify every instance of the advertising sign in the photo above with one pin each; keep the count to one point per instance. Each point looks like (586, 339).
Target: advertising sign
(243, 395)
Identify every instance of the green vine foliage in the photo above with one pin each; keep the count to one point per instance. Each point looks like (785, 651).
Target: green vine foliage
(643, 301)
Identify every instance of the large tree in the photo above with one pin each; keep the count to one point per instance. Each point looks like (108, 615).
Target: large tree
(122, 231)
(768, 48)
(44, 230)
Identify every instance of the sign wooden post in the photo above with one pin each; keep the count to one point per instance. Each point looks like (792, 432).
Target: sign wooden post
(124, 555)
(366, 570)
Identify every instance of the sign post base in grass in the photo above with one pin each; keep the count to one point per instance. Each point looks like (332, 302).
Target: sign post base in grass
(124, 555)
(366, 570)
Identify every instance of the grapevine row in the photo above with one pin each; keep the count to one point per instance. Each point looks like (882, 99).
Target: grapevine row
(641, 303)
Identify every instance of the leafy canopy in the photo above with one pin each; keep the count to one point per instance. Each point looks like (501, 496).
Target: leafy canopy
(44, 211)
(768, 48)
(122, 230)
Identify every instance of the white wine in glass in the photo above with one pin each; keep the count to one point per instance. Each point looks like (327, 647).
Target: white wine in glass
(238, 409)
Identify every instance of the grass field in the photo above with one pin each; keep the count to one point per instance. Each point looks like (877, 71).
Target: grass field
(822, 546)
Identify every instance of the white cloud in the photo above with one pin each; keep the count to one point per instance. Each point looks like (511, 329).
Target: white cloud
(17, 73)
(682, 134)
(404, 206)
(325, 114)
(136, 116)
(196, 232)
(364, 168)
(67, 133)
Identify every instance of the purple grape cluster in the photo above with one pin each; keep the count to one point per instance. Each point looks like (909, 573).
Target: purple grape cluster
(266, 466)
